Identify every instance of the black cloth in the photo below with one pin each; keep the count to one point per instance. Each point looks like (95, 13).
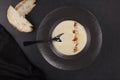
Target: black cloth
(13, 63)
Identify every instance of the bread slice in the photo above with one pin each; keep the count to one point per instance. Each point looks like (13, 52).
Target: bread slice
(18, 21)
(25, 6)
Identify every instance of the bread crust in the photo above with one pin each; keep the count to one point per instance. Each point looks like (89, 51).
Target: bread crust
(20, 4)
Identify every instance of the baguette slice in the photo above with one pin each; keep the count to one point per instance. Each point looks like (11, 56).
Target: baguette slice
(25, 6)
(18, 21)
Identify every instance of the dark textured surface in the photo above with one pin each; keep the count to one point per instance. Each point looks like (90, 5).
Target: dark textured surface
(13, 63)
(107, 64)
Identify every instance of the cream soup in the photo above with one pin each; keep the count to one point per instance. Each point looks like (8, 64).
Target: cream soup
(74, 38)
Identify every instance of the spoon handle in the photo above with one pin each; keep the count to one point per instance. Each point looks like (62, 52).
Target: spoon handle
(27, 43)
(57, 38)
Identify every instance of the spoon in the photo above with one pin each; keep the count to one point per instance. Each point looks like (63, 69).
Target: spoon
(57, 38)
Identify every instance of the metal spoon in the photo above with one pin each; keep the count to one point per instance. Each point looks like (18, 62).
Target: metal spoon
(57, 38)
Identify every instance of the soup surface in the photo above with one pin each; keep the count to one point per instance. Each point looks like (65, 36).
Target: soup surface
(74, 38)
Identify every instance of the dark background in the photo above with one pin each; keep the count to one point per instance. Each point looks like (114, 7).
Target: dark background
(15, 65)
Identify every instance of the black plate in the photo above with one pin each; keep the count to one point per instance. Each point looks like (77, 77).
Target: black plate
(86, 57)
